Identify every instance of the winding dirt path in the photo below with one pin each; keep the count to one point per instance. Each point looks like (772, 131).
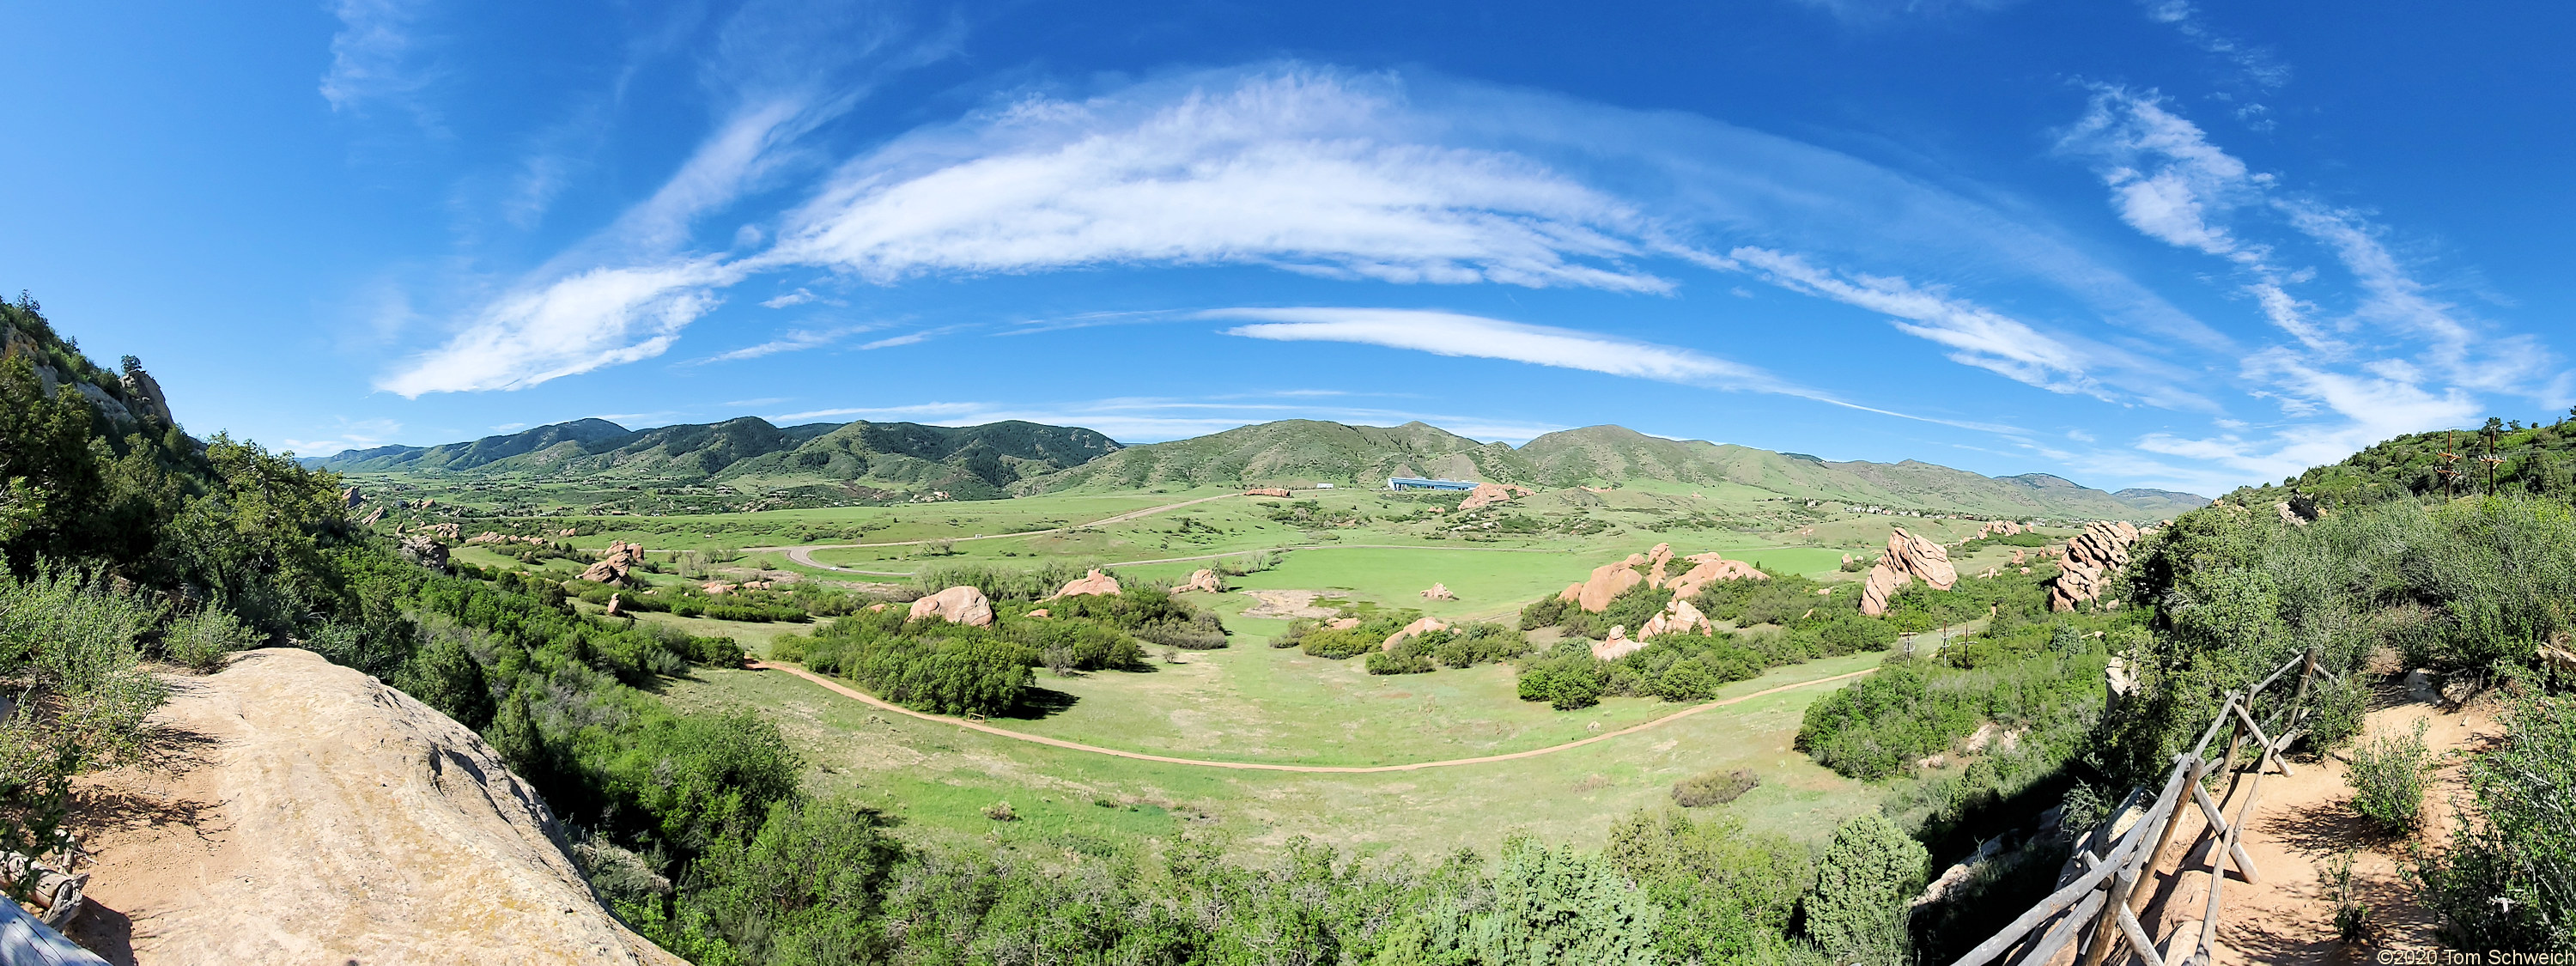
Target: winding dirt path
(847, 691)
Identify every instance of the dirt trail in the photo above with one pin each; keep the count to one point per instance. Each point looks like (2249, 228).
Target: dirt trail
(2301, 825)
(804, 554)
(846, 691)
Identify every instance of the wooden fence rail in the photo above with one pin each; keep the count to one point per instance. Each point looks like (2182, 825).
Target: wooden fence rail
(2097, 910)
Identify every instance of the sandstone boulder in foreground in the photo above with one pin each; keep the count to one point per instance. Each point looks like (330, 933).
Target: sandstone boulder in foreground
(328, 818)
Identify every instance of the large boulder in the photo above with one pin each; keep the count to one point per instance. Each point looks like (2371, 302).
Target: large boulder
(1439, 591)
(1094, 584)
(1607, 582)
(320, 816)
(1202, 579)
(420, 549)
(144, 392)
(956, 605)
(1677, 617)
(1617, 645)
(1422, 626)
(614, 564)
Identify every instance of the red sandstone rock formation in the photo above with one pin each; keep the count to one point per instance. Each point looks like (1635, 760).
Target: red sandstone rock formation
(1439, 592)
(2092, 558)
(1095, 584)
(1201, 579)
(1268, 491)
(956, 605)
(612, 568)
(1882, 584)
(1617, 646)
(1678, 617)
(1489, 494)
(1922, 559)
(1423, 626)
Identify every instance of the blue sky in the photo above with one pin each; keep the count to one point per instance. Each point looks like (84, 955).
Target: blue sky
(2134, 244)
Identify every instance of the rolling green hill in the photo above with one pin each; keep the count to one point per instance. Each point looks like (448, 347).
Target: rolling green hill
(1296, 453)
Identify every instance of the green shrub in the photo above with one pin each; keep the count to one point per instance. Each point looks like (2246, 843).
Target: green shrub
(1714, 788)
(2507, 879)
(1864, 883)
(445, 677)
(1347, 642)
(2387, 779)
(200, 640)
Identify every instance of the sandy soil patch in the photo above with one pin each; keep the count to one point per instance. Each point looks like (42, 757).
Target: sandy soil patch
(1287, 604)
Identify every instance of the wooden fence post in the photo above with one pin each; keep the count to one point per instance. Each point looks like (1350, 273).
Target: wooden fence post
(2155, 856)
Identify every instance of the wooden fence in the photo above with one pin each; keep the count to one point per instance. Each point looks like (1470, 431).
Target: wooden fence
(2098, 910)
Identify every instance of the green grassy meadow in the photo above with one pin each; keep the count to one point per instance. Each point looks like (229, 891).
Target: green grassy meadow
(1251, 703)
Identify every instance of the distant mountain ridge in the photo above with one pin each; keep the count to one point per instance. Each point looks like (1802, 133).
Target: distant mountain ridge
(891, 460)
(878, 459)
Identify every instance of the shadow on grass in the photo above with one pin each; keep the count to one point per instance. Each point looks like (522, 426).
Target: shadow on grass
(1038, 703)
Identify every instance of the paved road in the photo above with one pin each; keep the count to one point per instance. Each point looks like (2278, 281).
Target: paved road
(847, 691)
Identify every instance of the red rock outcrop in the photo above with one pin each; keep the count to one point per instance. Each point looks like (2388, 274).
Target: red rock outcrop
(1617, 645)
(1708, 568)
(1678, 617)
(1095, 584)
(1202, 579)
(1489, 494)
(612, 566)
(1922, 559)
(1342, 624)
(2092, 558)
(1439, 592)
(1882, 584)
(1268, 491)
(1607, 581)
(372, 516)
(616, 606)
(956, 605)
(1040, 612)
(1423, 626)
(1997, 528)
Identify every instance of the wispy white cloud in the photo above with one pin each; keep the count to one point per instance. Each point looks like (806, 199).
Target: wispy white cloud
(1453, 334)
(798, 297)
(376, 55)
(1979, 336)
(2254, 64)
(596, 318)
(794, 340)
(908, 338)
(1298, 169)
(2393, 358)
(346, 434)
(1348, 176)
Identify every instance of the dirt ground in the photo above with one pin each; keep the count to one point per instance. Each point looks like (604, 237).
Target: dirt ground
(2301, 826)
